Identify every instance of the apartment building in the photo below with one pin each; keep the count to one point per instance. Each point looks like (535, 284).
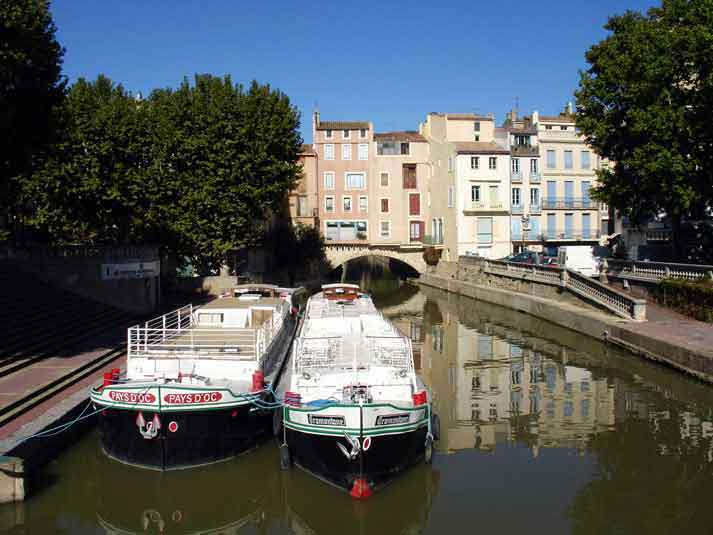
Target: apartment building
(568, 174)
(519, 135)
(343, 150)
(469, 193)
(400, 170)
(303, 200)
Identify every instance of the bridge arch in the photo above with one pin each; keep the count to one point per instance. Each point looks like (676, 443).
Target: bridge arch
(340, 254)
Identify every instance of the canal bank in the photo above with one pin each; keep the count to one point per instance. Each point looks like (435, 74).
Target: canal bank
(684, 345)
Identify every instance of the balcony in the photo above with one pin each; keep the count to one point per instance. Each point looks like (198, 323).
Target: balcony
(569, 203)
(564, 135)
(432, 240)
(571, 234)
(524, 150)
(535, 178)
(535, 209)
(516, 209)
(516, 177)
(481, 206)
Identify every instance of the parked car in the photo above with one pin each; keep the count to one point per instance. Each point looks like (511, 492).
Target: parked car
(527, 257)
(580, 258)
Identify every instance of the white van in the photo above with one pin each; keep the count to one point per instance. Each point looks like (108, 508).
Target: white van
(579, 258)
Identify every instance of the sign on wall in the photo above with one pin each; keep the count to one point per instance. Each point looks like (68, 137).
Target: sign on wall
(130, 270)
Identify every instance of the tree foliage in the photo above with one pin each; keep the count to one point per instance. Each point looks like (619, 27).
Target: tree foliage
(31, 86)
(645, 103)
(197, 169)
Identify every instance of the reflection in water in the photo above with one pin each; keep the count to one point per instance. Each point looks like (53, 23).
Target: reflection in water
(542, 431)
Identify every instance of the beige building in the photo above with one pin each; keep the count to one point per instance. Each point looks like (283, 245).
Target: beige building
(304, 198)
(469, 193)
(569, 215)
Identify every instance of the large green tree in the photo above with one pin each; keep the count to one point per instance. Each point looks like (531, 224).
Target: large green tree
(31, 86)
(645, 103)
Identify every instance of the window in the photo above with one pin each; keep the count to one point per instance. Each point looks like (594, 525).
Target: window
(474, 162)
(363, 203)
(568, 159)
(345, 134)
(329, 151)
(384, 180)
(328, 133)
(414, 204)
(329, 203)
(534, 165)
(476, 126)
(493, 191)
(362, 133)
(535, 196)
(516, 196)
(451, 197)
(416, 230)
(391, 148)
(586, 160)
(363, 151)
(485, 230)
(385, 229)
(210, 319)
(522, 141)
(405, 148)
(492, 162)
(346, 230)
(409, 176)
(475, 193)
(548, 127)
(384, 205)
(354, 180)
(301, 206)
(329, 180)
(347, 204)
(515, 166)
(563, 128)
(476, 137)
(346, 151)
(551, 159)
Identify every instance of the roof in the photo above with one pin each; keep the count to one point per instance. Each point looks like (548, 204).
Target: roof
(557, 118)
(405, 135)
(307, 149)
(480, 147)
(342, 125)
(468, 117)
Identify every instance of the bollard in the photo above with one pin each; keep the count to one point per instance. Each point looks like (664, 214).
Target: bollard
(12, 479)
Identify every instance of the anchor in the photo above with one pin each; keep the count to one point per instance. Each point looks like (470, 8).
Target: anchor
(148, 430)
(356, 447)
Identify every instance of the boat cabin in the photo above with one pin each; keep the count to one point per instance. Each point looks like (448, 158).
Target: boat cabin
(341, 291)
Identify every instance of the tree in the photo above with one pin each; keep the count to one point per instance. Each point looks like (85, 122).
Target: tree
(31, 86)
(644, 103)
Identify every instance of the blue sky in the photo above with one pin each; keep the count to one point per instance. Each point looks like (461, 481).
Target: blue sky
(390, 62)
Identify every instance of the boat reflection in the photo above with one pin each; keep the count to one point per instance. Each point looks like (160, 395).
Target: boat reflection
(255, 496)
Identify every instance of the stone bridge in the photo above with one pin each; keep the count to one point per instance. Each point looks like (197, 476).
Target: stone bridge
(339, 254)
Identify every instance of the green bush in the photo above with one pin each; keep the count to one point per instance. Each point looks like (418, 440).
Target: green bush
(431, 255)
(693, 299)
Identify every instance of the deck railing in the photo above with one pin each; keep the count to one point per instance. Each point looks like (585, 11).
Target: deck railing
(656, 271)
(617, 302)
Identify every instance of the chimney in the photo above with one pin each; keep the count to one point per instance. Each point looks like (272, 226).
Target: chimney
(315, 118)
(513, 116)
(535, 117)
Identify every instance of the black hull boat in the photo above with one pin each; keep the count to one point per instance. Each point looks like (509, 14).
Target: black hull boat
(208, 395)
(355, 413)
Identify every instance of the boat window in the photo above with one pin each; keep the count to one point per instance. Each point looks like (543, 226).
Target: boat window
(260, 316)
(212, 318)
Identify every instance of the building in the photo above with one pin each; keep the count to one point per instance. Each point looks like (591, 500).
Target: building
(304, 198)
(343, 149)
(400, 169)
(569, 214)
(469, 193)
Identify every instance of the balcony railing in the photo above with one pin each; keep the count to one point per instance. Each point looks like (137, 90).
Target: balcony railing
(535, 178)
(516, 176)
(524, 150)
(569, 203)
(535, 209)
(432, 240)
(516, 209)
(571, 234)
(482, 206)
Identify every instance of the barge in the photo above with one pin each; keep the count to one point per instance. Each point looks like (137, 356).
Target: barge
(199, 381)
(355, 412)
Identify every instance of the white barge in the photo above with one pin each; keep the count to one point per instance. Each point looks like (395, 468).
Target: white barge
(199, 381)
(355, 412)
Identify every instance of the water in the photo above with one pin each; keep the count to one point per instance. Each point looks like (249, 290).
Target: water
(543, 431)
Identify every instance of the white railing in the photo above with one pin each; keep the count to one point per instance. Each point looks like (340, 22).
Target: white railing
(656, 271)
(178, 335)
(617, 302)
(342, 354)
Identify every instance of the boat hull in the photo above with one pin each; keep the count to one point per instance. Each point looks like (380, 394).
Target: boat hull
(184, 439)
(387, 457)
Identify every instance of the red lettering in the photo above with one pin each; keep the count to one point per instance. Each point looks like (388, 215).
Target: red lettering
(196, 397)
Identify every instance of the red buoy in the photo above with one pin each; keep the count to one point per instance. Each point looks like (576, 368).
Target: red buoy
(361, 489)
(115, 373)
(258, 381)
(108, 379)
(420, 398)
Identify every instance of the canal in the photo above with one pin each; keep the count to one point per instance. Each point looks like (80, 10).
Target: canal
(543, 431)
